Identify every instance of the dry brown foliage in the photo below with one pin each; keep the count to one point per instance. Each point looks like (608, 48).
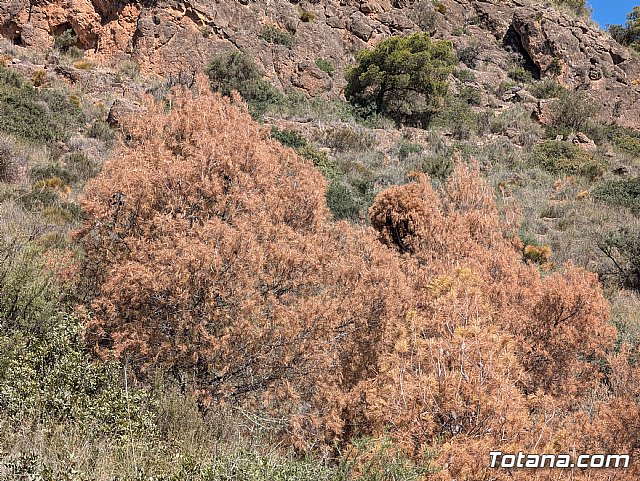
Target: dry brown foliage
(214, 257)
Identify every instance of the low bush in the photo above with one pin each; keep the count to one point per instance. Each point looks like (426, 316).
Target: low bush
(57, 215)
(629, 144)
(324, 65)
(128, 69)
(51, 171)
(102, 131)
(65, 41)
(546, 89)
(471, 95)
(459, 119)
(520, 74)
(464, 75)
(346, 138)
(288, 138)
(537, 254)
(571, 112)
(36, 115)
(343, 204)
(425, 16)
(516, 119)
(469, 55)
(10, 159)
(37, 198)
(404, 149)
(620, 193)
(275, 35)
(440, 7)
(438, 166)
(558, 157)
(39, 78)
(50, 377)
(237, 71)
(621, 248)
(46, 375)
(83, 65)
(307, 16)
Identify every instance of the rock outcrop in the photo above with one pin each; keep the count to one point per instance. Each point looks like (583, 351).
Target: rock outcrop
(181, 35)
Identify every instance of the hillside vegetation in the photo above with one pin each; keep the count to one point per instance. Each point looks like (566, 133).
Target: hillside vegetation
(207, 276)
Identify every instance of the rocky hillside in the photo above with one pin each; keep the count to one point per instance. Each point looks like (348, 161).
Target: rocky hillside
(288, 37)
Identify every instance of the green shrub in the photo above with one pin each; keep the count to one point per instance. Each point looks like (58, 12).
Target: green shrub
(11, 78)
(571, 112)
(50, 171)
(45, 373)
(438, 166)
(102, 131)
(36, 115)
(404, 149)
(10, 158)
(345, 204)
(128, 69)
(425, 16)
(80, 166)
(65, 41)
(307, 16)
(469, 56)
(37, 198)
(546, 89)
(293, 139)
(39, 78)
(471, 95)
(57, 215)
(74, 53)
(558, 157)
(28, 296)
(288, 138)
(50, 376)
(275, 35)
(520, 74)
(459, 119)
(345, 139)
(321, 160)
(622, 193)
(621, 249)
(325, 65)
(629, 144)
(235, 70)
(404, 78)
(516, 119)
(351, 190)
(555, 68)
(464, 75)
(75, 167)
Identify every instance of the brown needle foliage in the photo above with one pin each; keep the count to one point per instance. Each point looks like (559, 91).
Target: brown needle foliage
(496, 352)
(215, 259)
(213, 256)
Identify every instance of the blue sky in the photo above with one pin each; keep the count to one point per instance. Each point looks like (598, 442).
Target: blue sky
(611, 11)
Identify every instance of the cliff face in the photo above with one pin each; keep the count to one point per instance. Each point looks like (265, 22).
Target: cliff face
(181, 35)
